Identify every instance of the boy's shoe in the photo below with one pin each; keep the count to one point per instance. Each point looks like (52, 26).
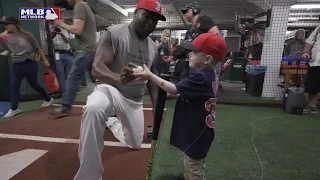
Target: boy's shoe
(59, 112)
(47, 103)
(182, 177)
(12, 113)
(312, 110)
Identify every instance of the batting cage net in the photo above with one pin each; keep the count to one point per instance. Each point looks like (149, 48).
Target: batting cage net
(265, 38)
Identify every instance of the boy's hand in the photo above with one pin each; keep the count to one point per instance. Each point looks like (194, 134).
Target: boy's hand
(144, 75)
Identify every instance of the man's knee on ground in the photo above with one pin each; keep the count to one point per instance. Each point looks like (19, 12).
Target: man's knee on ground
(134, 144)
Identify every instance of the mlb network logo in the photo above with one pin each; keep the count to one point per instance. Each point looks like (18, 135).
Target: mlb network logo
(39, 13)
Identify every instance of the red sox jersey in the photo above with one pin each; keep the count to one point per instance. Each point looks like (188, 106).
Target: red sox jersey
(194, 116)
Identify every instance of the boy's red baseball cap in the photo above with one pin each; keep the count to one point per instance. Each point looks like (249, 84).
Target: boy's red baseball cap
(208, 43)
(153, 6)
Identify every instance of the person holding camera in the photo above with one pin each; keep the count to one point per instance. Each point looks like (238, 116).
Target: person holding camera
(84, 27)
(63, 53)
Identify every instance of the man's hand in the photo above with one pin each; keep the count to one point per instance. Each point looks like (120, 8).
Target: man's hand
(126, 74)
(305, 56)
(52, 29)
(58, 22)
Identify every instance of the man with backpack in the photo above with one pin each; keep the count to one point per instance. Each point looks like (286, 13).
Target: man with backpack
(84, 27)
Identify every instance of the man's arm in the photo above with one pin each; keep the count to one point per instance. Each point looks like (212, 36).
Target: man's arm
(153, 88)
(103, 60)
(309, 43)
(75, 28)
(307, 48)
(79, 19)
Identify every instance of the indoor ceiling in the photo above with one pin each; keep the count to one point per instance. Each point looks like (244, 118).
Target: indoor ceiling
(222, 11)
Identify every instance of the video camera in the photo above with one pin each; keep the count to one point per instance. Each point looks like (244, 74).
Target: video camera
(56, 29)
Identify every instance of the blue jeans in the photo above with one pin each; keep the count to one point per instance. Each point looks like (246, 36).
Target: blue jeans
(29, 70)
(82, 62)
(65, 60)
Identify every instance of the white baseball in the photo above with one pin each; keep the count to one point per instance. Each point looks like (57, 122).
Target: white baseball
(138, 69)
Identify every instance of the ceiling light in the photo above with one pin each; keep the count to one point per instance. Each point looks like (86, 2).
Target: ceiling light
(303, 18)
(130, 10)
(305, 6)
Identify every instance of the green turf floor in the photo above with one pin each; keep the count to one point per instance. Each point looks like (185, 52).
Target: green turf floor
(288, 146)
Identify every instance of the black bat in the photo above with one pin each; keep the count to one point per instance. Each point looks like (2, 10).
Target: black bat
(158, 113)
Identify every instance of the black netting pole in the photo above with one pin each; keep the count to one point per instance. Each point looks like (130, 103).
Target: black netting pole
(51, 56)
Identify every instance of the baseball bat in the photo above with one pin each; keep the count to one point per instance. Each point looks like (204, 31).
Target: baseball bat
(158, 113)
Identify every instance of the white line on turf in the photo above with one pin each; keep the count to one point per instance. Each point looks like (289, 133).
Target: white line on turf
(80, 106)
(62, 140)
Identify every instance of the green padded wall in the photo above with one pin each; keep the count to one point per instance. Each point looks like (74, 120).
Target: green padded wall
(4, 78)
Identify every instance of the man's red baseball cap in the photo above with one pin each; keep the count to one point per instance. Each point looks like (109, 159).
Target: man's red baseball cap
(153, 6)
(208, 43)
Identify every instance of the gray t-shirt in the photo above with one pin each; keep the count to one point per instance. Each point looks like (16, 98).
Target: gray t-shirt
(22, 46)
(129, 48)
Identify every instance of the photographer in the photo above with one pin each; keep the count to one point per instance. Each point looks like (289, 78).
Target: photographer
(200, 24)
(63, 53)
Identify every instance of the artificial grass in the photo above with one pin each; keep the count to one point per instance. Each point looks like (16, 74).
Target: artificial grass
(288, 146)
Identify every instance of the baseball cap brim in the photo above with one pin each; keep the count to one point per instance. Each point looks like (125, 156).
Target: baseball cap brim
(184, 10)
(189, 46)
(6, 22)
(161, 17)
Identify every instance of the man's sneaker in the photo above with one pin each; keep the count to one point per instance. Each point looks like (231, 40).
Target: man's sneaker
(12, 113)
(47, 103)
(313, 110)
(59, 112)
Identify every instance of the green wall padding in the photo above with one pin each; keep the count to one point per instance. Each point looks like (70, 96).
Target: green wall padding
(4, 78)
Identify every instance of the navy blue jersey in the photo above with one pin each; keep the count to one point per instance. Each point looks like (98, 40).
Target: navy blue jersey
(194, 116)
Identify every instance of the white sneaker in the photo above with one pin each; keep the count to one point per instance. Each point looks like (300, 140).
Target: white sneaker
(47, 103)
(12, 113)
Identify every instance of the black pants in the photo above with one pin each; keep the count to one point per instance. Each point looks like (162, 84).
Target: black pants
(312, 82)
(29, 70)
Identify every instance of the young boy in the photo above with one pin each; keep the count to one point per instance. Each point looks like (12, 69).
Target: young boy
(194, 116)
